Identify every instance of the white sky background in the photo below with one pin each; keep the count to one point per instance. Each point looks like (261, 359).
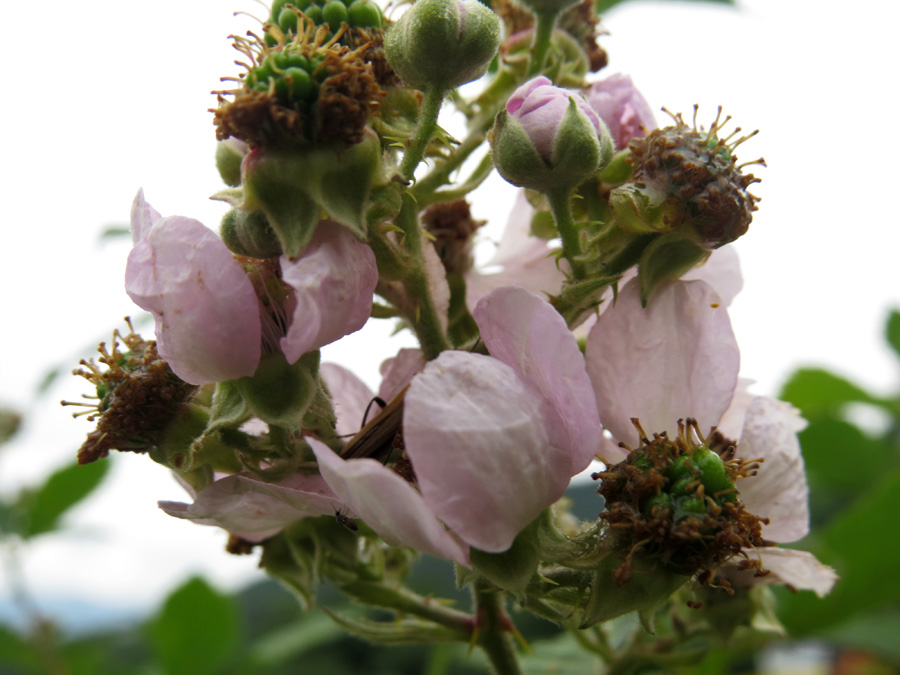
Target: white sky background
(98, 102)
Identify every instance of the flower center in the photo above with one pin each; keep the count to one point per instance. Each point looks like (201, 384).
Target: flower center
(675, 501)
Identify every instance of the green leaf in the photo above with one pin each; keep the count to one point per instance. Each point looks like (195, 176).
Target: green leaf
(561, 655)
(196, 631)
(818, 393)
(17, 653)
(840, 457)
(42, 508)
(874, 633)
(892, 331)
(605, 5)
(401, 632)
(863, 547)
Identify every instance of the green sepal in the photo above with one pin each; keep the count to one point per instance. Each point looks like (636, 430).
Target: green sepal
(579, 151)
(228, 161)
(618, 170)
(512, 569)
(667, 258)
(543, 226)
(280, 393)
(404, 631)
(294, 571)
(648, 587)
(229, 409)
(175, 446)
(514, 155)
(638, 209)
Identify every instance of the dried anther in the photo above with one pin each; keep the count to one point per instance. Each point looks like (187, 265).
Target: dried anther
(674, 501)
(137, 396)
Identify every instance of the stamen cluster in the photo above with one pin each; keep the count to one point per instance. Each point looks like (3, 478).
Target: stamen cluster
(675, 501)
(698, 174)
(137, 395)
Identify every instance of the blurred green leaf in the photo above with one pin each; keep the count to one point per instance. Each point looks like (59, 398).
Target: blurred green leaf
(42, 508)
(839, 456)
(196, 631)
(605, 5)
(875, 633)
(863, 546)
(115, 232)
(16, 653)
(560, 655)
(892, 331)
(10, 421)
(817, 393)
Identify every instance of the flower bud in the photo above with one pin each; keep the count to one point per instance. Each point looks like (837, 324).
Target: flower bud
(248, 234)
(442, 44)
(548, 138)
(229, 154)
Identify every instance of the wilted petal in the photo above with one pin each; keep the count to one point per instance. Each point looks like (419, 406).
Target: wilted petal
(255, 510)
(622, 107)
(779, 492)
(387, 504)
(676, 358)
(798, 569)
(333, 281)
(476, 434)
(350, 395)
(523, 331)
(207, 314)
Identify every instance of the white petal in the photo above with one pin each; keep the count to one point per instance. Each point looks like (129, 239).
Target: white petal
(350, 395)
(798, 569)
(779, 492)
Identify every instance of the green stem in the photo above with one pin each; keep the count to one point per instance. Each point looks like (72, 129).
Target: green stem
(440, 174)
(428, 116)
(421, 313)
(568, 230)
(481, 172)
(545, 22)
(494, 629)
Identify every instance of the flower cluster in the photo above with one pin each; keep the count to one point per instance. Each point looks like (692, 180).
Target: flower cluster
(603, 336)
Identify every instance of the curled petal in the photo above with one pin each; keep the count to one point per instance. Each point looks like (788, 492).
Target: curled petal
(523, 331)
(798, 569)
(676, 358)
(142, 217)
(333, 281)
(397, 372)
(779, 492)
(476, 434)
(254, 510)
(350, 395)
(207, 314)
(387, 504)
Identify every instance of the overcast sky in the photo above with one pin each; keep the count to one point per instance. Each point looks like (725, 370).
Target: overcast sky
(103, 101)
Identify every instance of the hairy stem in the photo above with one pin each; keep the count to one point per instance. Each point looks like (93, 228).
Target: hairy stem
(495, 629)
(568, 230)
(428, 116)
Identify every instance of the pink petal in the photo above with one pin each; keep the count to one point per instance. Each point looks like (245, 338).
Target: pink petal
(622, 107)
(255, 510)
(523, 331)
(387, 504)
(436, 276)
(677, 358)
(350, 395)
(207, 314)
(779, 492)
(398, 371)
(476, 434)
(722, 271)
(333, 280)
(795, 568)
(142, 217)
(519, 95)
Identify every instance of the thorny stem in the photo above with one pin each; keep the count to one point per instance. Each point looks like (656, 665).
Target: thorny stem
(494, 629)
(545, 22)
(428, 116)
(424, 316)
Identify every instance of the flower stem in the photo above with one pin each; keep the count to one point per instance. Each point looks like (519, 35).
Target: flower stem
(568, 230)
(494, 629)
(545, 22)
(422, 314)
(428, 116)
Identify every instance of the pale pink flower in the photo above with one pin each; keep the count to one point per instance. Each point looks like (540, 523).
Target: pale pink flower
(208, 322)
(493, 440)
(625, 111)
(678, 358)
